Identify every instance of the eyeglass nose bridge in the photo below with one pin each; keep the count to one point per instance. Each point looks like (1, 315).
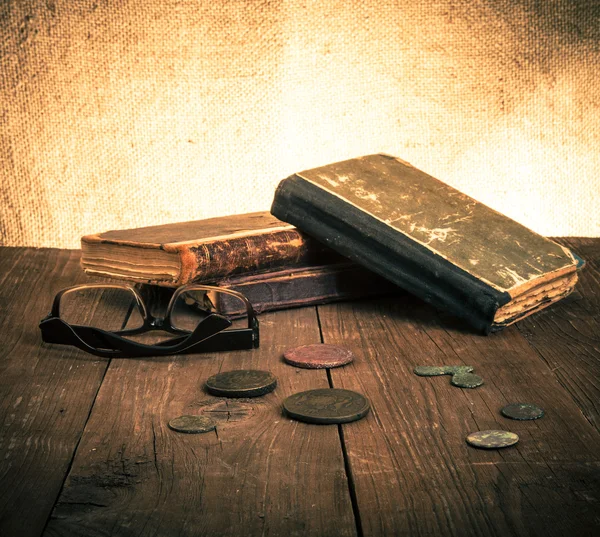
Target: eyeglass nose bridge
(156, 322)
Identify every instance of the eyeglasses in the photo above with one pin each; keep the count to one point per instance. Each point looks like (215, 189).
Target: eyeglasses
(102, 319)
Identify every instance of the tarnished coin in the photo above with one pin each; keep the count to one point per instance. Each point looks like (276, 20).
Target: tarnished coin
(454, 369)
(492, 439)
(522, 411)
(192, 424)
(318, 356)
(434, 371)
(466, 380)
(430, 370)
(242, 383)
(327, 405)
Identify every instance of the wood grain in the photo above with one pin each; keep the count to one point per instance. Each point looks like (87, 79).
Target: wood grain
(406, 465)
(259, 474)
(413, 473)
(46, 391)
(567, 336)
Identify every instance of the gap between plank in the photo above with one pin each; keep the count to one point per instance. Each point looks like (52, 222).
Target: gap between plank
(87, 419)
(321, 336)
(347, 469)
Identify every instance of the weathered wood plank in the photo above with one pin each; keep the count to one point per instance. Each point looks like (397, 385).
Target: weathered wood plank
(46, 391)
(412, 471)
(259, 474)
(567, 335)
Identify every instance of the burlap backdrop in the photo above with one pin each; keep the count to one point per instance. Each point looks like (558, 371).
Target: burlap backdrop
(128, 113)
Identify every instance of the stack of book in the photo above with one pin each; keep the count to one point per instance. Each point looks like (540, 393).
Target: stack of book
(272, 263)
(367, 226)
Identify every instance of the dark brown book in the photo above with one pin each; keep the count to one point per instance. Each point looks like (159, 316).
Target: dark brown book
(204, 250)
(304, 286)
(428, 238)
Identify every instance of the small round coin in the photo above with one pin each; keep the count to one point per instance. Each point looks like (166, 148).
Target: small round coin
(434, 370)
(241, 383)
(430, 370)
(326, 405)
(466, 380)
(454, 369)
(192, 424)
(522, 411)
(492, 439)
(318, 356)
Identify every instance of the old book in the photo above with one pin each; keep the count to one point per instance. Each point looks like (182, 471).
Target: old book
(428, 238)
(303, 286)
(203, 250)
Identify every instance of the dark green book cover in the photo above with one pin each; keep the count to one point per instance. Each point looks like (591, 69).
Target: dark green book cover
(428, 238)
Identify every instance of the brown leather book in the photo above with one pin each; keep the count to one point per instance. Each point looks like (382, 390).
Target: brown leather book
(204, 250)
(304, 286)
(429, 239)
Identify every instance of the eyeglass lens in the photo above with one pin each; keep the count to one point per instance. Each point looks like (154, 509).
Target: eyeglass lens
(194, 305)
(109, 308)
(115, 309)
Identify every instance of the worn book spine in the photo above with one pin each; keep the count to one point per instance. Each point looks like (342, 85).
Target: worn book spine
(173, 264)
(248, 255)
(303, 287)
(360, 237)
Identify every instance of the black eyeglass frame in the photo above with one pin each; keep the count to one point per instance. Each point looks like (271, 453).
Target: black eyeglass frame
(209, 336)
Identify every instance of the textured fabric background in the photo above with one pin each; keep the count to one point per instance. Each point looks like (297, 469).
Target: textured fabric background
(129, 113)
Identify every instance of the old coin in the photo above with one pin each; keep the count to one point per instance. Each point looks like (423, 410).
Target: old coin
(241, 383)
(454, 369)
(430, 370)
(327, 405)
(434, 371)
(192, 424)
(492, 439)
(318, 356)
(466, 380)
(522, 411)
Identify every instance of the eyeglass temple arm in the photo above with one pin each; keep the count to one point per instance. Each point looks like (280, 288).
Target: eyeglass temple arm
(57, 331)
(111, 345)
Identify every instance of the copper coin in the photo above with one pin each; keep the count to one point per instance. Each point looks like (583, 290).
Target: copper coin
(522, 411)
(318, 356)
(192, 424)
(242, 383)
(492, 439)
(326, 405)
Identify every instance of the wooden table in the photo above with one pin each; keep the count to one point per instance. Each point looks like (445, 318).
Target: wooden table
(85, 448)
